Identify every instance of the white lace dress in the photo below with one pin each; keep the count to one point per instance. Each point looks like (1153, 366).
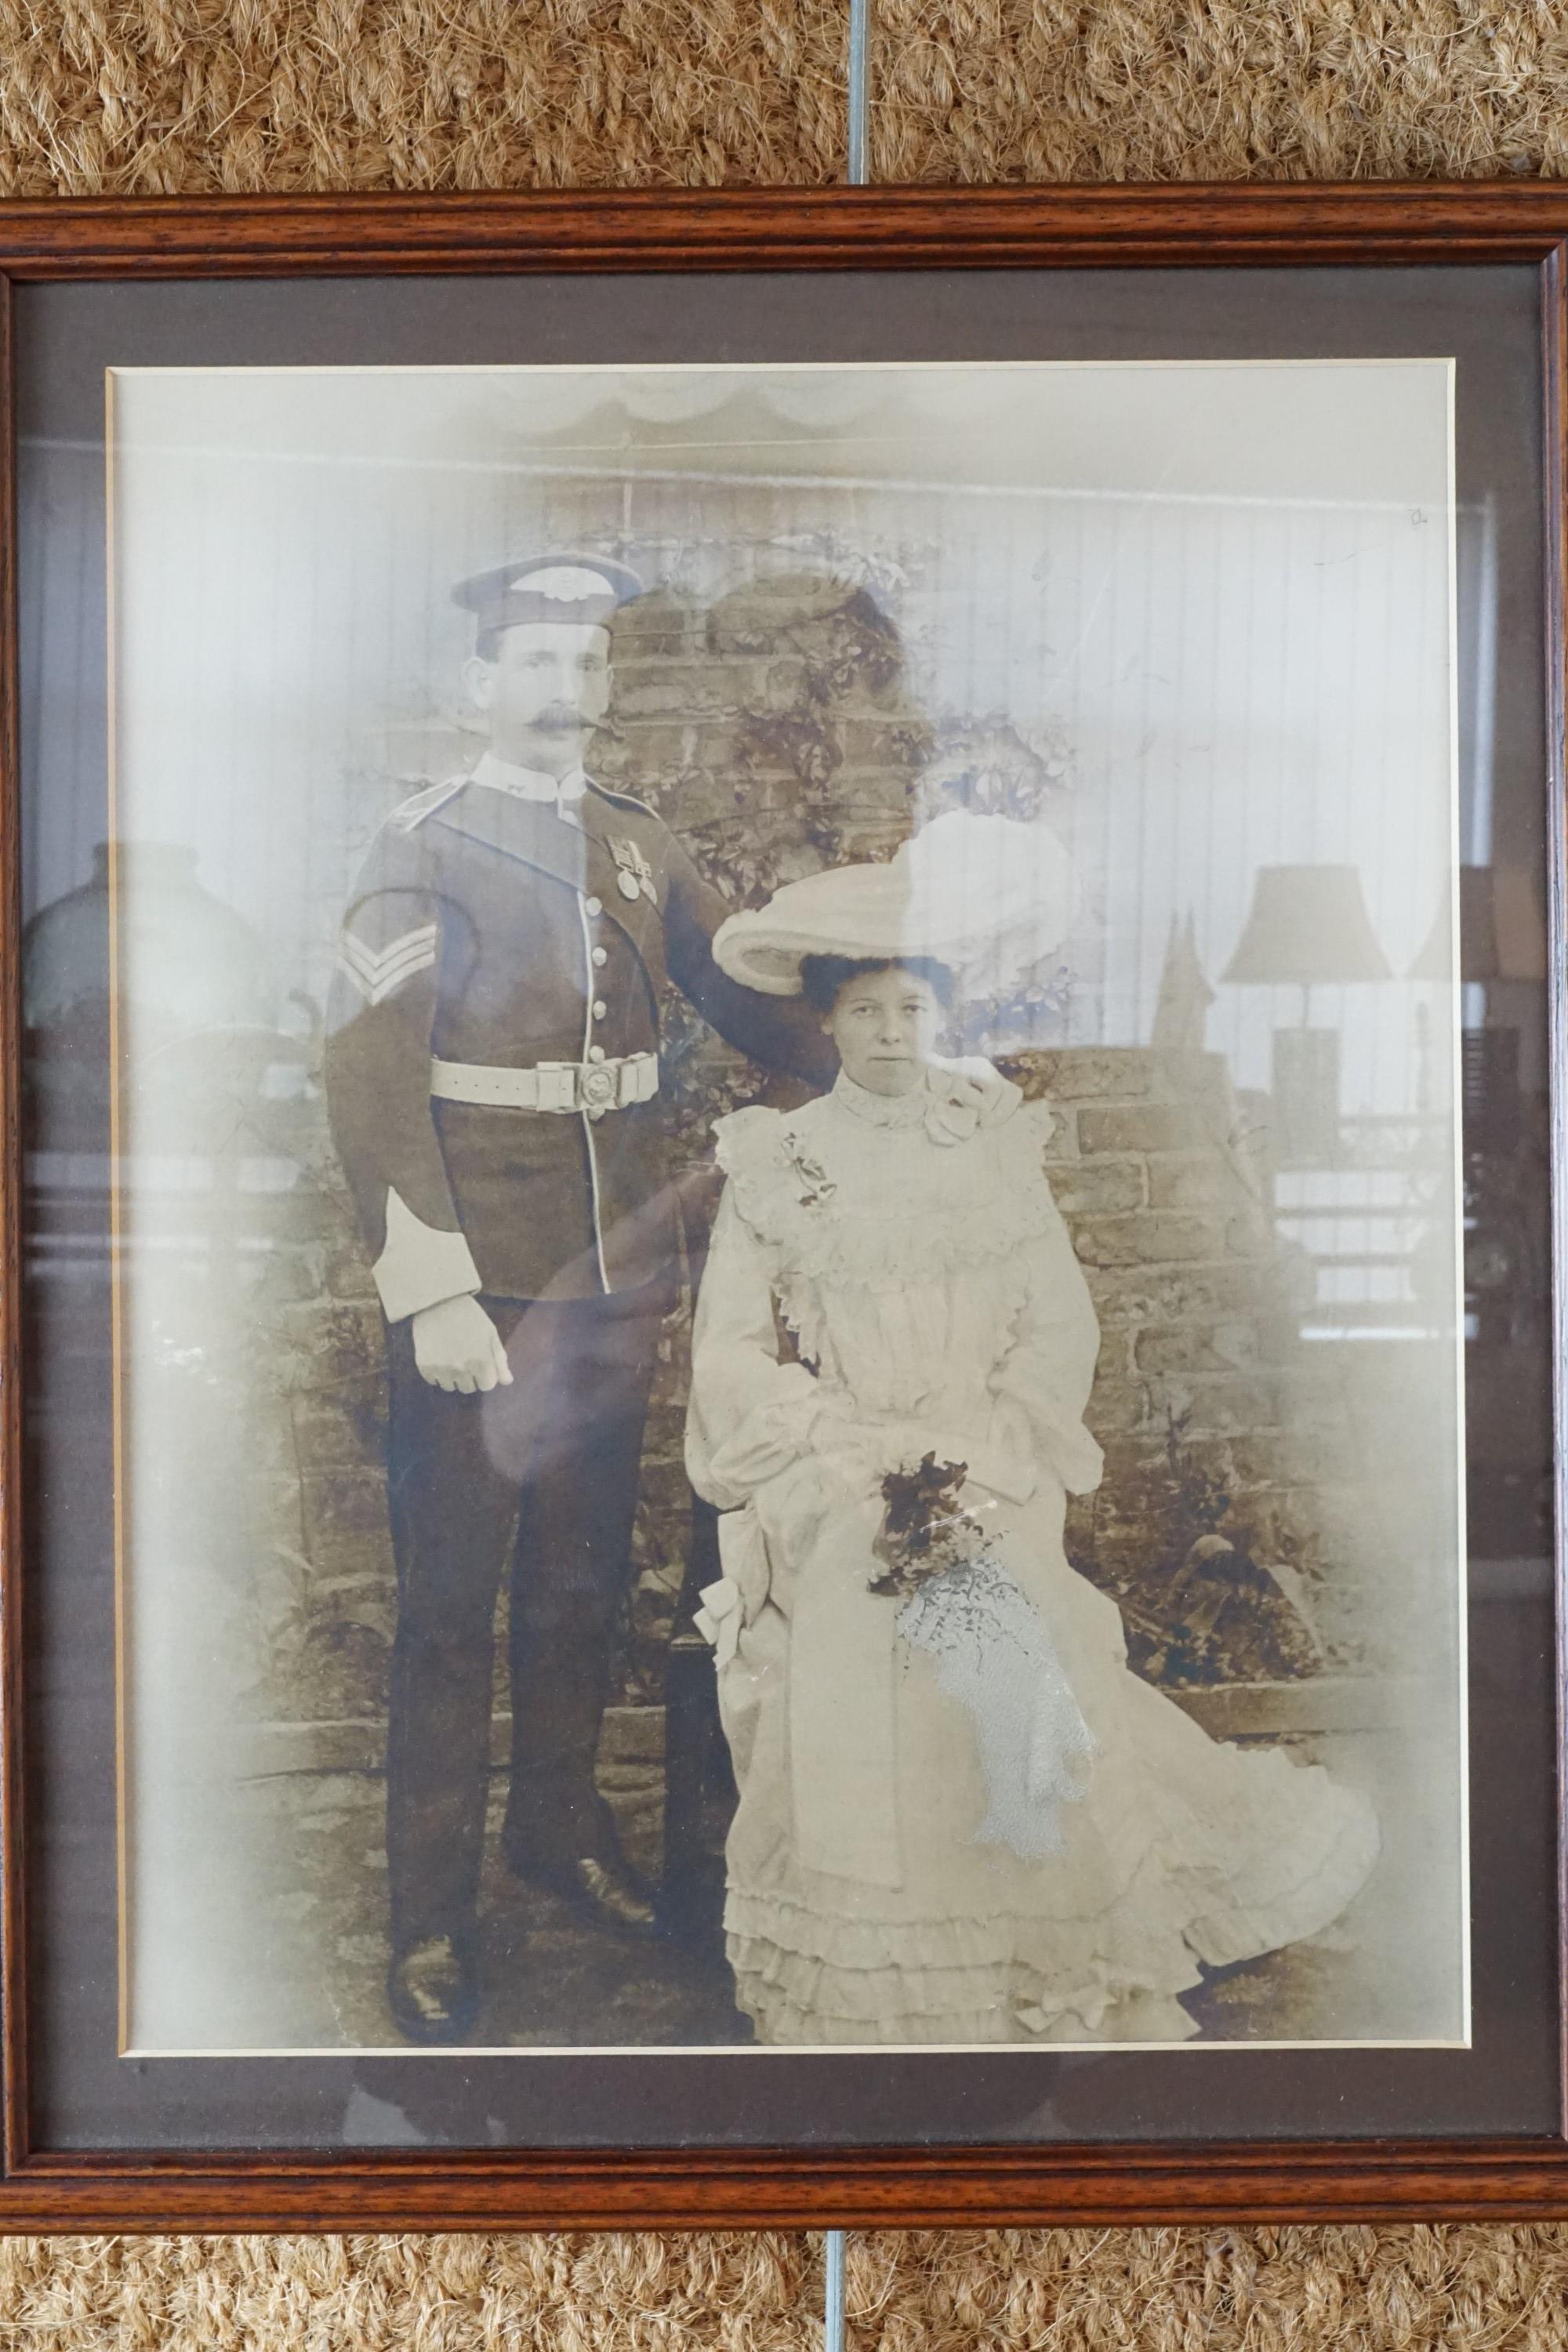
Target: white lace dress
(889, 1277)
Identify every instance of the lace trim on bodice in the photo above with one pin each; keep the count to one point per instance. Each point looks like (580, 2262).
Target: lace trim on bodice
(850, 1202)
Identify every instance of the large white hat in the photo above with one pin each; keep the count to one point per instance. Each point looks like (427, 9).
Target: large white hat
(986, 896)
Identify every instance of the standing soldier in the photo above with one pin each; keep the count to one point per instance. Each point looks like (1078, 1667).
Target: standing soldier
(493, 1078)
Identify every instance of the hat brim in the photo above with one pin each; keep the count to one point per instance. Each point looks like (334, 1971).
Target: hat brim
(988, 897)
(863, 912)
(769, 961)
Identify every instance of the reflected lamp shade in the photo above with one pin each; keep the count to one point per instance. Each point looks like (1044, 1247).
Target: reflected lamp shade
(1307, 924)
(1502, 929)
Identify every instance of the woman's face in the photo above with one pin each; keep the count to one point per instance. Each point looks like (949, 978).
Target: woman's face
(885, 1026)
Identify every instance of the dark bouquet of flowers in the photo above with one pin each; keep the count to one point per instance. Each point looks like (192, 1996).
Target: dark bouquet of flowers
(990, 1649)
(927, 1527)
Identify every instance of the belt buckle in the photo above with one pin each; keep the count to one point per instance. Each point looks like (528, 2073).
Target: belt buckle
(599, 1086)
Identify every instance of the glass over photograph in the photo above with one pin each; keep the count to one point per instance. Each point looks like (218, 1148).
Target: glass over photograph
(787, 1049)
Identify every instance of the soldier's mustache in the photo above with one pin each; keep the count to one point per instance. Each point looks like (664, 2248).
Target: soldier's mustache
(560, 714)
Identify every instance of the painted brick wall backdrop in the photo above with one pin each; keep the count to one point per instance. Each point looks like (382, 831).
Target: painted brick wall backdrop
(774, 732)
(185, 95)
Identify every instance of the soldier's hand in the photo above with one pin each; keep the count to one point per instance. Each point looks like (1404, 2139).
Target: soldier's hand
(457, 1347)
(970, 1092)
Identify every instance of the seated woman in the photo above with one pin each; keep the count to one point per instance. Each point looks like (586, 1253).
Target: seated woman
(961, 1817)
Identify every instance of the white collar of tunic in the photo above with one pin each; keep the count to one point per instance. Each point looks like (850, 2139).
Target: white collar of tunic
(529, 783)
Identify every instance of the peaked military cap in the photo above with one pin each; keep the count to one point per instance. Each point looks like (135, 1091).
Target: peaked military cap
(583, 588)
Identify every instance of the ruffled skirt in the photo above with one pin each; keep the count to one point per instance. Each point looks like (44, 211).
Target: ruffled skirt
(1181, 1850)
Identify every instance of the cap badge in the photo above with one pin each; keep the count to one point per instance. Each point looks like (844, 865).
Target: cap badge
(562, 583)
(634, 875)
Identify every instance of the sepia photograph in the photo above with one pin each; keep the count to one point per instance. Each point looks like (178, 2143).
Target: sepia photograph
(782, 1066)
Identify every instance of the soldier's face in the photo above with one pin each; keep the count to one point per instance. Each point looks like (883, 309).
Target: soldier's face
(884, 1024)
(546, 691)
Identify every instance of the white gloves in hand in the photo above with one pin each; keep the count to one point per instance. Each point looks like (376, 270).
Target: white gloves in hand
(457, 1347)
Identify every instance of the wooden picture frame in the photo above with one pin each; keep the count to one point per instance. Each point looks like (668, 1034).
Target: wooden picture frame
(1482, 228)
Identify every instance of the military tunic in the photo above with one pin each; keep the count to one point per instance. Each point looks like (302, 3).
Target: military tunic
(492, 935)
(487, 929)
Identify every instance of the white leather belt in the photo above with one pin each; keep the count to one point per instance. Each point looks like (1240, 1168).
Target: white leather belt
(571, 1087)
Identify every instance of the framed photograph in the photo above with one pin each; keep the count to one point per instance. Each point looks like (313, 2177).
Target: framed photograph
(782, 1206)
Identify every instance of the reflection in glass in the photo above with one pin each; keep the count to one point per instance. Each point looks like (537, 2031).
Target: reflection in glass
(1307, 924)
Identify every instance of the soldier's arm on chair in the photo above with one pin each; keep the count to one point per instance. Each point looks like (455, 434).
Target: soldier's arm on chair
(377, 1071)
(781, 1031)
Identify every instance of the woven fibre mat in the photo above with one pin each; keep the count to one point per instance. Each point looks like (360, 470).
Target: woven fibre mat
(178, 95)
(1418, 2290)
(171, 96)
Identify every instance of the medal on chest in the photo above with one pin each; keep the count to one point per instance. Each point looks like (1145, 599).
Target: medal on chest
(634, 875)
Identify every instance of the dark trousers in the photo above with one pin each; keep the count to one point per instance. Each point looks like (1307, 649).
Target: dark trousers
(540, 1477)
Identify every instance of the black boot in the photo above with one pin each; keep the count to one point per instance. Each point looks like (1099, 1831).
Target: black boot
(433, 1990)
(600, 1887)
(573, 1850)
(560, 1835)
